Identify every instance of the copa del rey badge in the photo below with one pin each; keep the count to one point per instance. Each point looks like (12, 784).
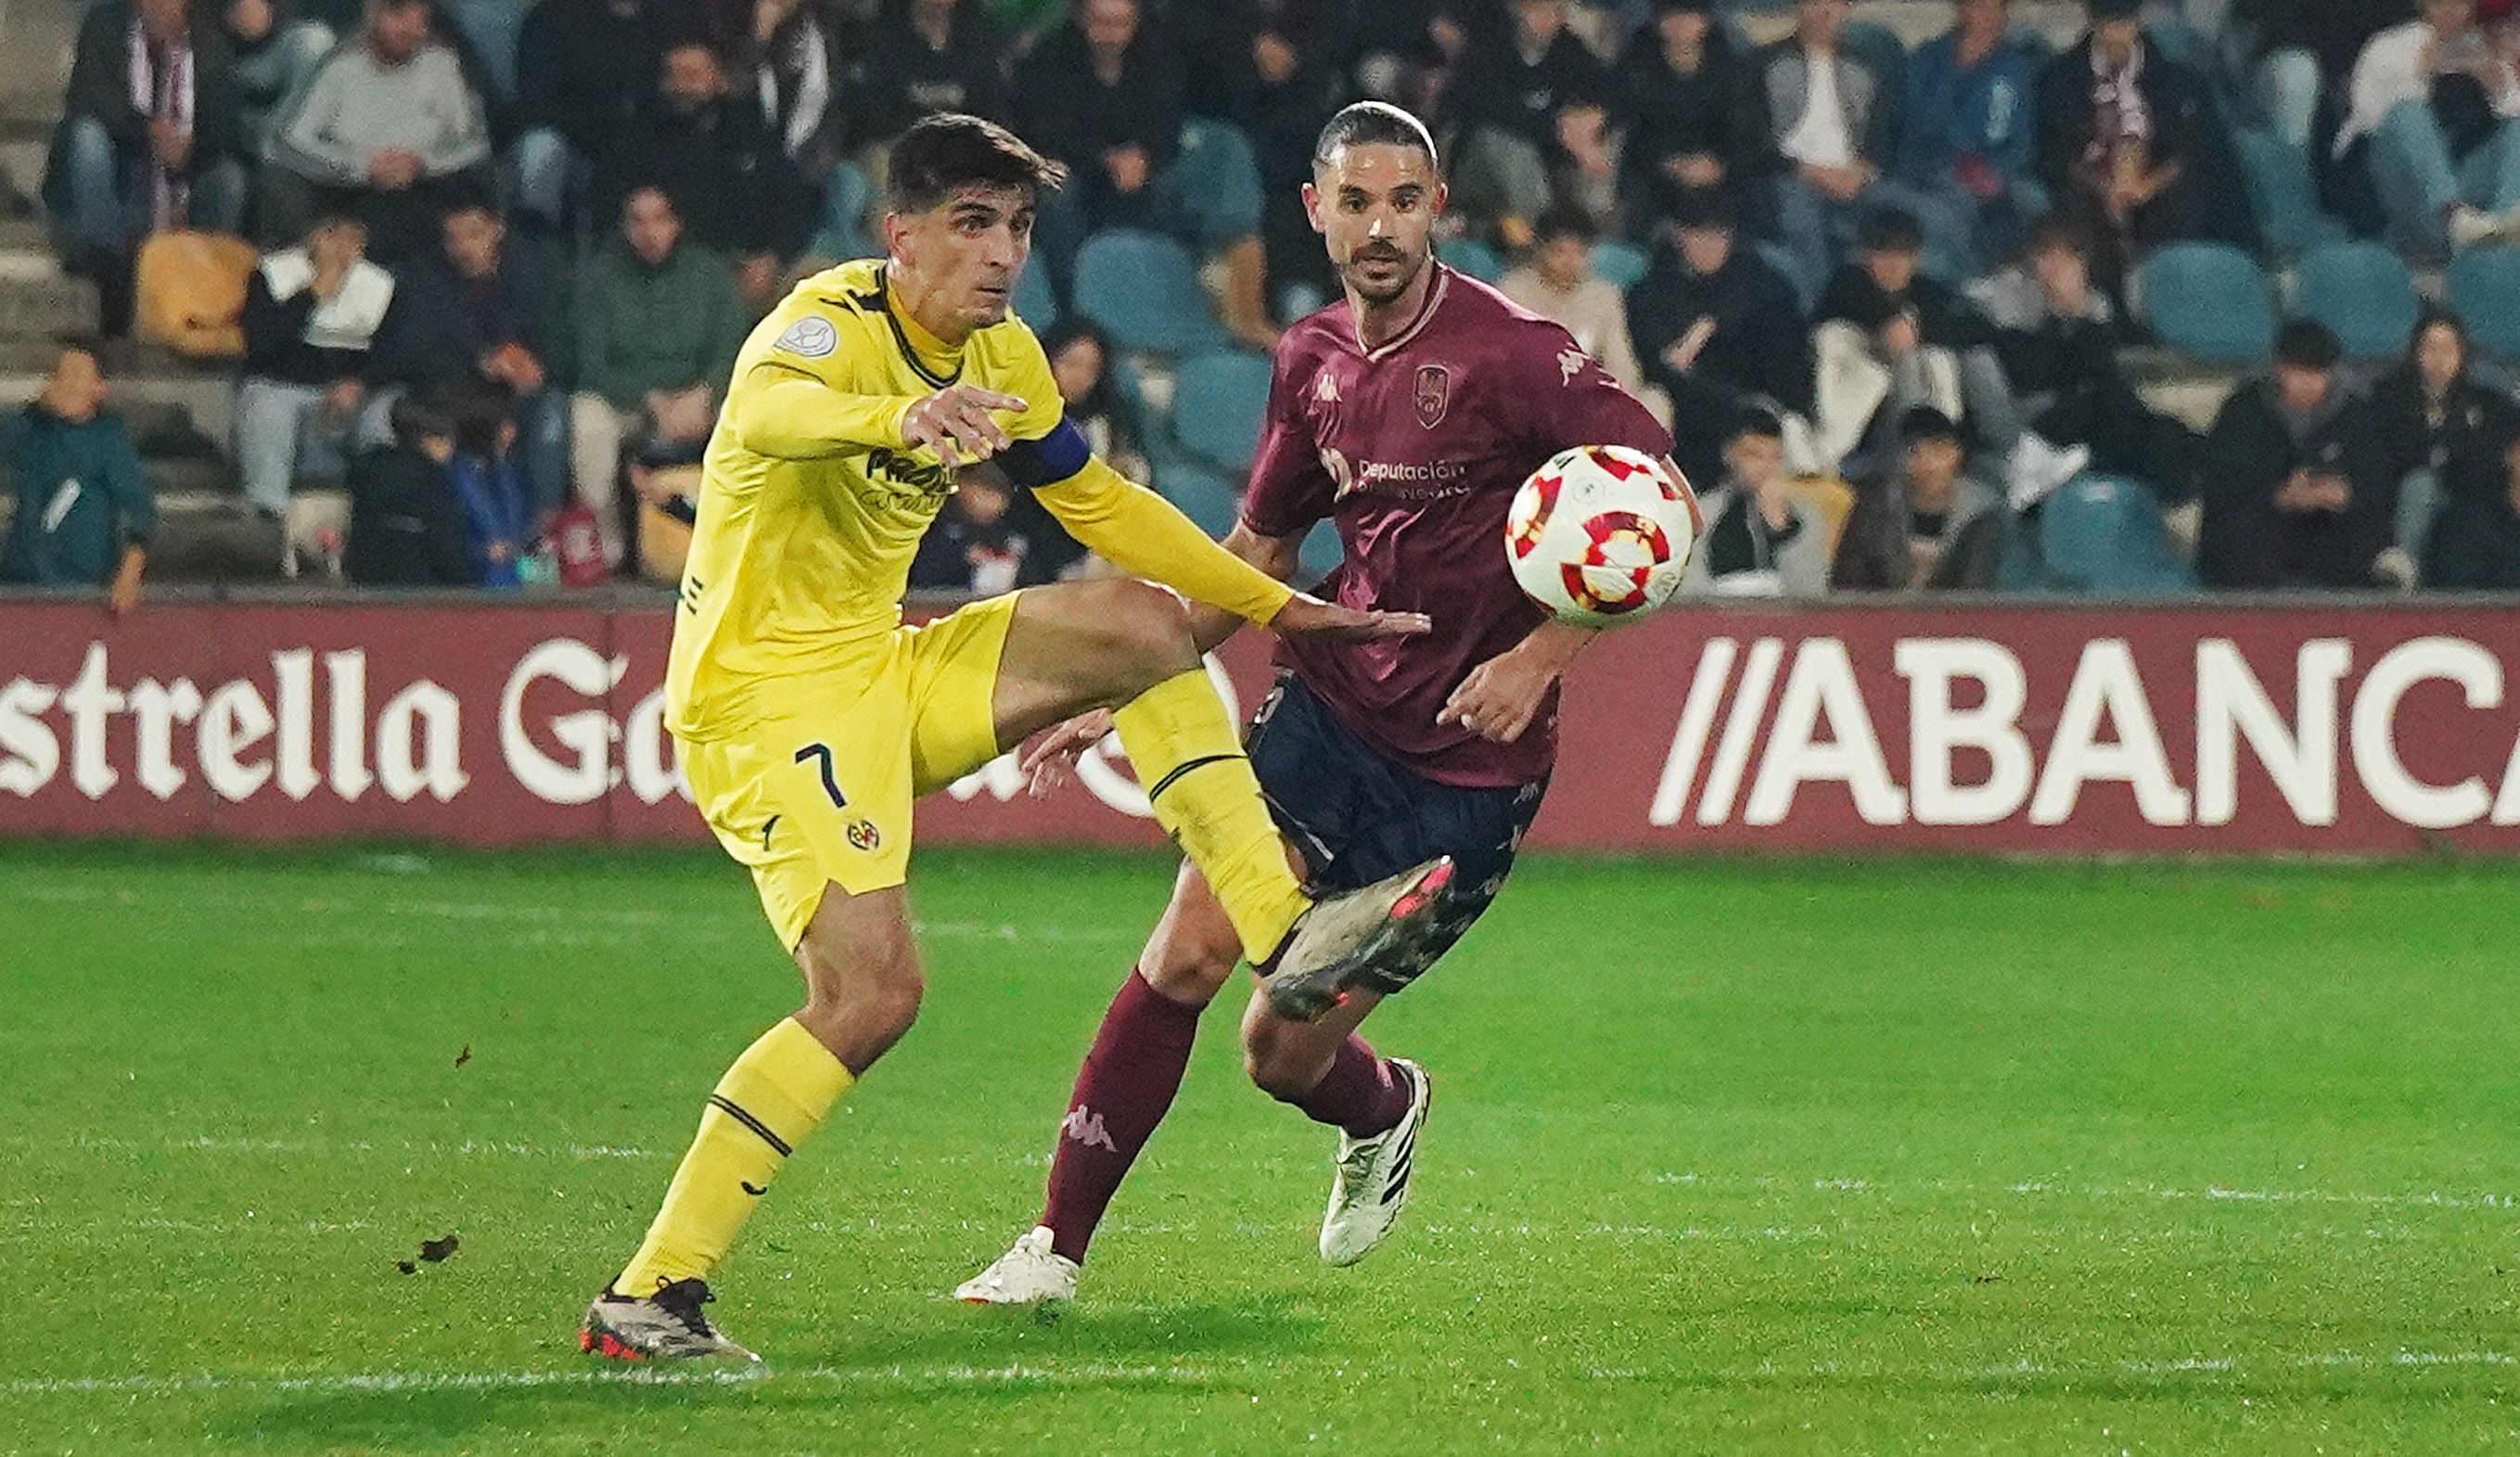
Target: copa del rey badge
(810, 337)
(1433, 394)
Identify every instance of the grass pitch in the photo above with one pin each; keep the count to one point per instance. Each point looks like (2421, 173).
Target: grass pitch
(1785, 1158)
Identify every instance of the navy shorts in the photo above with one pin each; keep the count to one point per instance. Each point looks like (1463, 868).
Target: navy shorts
(1357, 817)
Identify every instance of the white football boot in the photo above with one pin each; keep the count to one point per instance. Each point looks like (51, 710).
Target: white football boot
(1373, 1183)
(1029, 1274)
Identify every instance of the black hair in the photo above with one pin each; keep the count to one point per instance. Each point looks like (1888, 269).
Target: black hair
(1925, 423)
(475, 412)
(949, 151)
(1564, 223)
(2307, 343)
(415, 418)
(1757, 420)
(1371, 123)
(1890, 230)
(1707, 209)
(2058, 230)
(2431, 314)
(467, 196)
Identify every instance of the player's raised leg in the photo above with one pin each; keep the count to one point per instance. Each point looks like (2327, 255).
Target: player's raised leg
(862, 992)
(1128, 646)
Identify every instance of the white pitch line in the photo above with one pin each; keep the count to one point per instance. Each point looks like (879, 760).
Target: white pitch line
(2211, 1193)
(478, 1381)
(469, 1149)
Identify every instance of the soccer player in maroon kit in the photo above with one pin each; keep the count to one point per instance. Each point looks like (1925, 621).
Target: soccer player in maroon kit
(1408, 413)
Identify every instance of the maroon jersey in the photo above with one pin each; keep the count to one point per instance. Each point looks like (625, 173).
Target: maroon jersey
(1415, 450)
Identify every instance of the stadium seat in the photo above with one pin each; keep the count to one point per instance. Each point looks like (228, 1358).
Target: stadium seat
(1472, 257)
(1320, 553)
(1202, 494)
(1218, 402)
(1211, 194)
(1145, 291)
(2207, 300)
(491, 28)
(1620, 264)
(1785, 260)
(2282, 193)
(2365, 296)
(2104, 534)
(2485, 292)
(842, 234)
(1036, 301)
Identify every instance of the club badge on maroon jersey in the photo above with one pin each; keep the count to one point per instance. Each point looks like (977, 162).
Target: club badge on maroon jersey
(1433, 394)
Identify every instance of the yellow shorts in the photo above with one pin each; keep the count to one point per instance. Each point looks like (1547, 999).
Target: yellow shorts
(823, 795)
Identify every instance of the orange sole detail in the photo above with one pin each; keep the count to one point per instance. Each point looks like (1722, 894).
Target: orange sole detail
(606, 1346)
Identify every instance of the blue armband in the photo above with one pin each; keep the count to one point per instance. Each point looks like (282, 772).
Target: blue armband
(1048, 461)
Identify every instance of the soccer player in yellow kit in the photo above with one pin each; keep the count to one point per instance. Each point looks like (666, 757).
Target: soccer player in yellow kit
(808, 717)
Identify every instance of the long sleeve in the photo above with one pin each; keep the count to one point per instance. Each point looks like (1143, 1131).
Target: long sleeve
(593, 332)
(99, 86)
(460, 136)
(273, 328)
(305, 143)
(781, 413)
(1145, 535)
(135, 508)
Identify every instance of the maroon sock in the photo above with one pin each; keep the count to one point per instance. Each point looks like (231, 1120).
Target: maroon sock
(1362, 1093)
(1122, 1091)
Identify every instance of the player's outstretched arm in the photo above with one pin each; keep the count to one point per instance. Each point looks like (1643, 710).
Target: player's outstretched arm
(1145, 535)
(1275, 556)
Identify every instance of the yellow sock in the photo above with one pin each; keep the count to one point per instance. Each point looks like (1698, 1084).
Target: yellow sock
(1192, 763)
(768, 1102)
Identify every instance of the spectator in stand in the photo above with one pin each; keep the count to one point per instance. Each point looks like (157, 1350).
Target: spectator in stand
(406, 527)
(480, 308)
(1892, 336)
(2442, 429)
(149, 140)
(1532, 108)
(312, 316)
(2129, 143)
(84, 511)
(1835, 123)
(931, 56)
(1273, 67)
(1415, 53)
(712, 152)
(2432, 102)
(582, 67)
(1692, 119)
(657, 328)
(2474, 546)
(1104, 96)
(498, 513)
(1715, 327)
(275, 49)
(391, 117)
(1080, 360)
(1925, 524)
(2297, 490)
(1762, 538)
(799, 61)
(1558, 285)
(2058, 336)
(979, 544)
(1970, 136)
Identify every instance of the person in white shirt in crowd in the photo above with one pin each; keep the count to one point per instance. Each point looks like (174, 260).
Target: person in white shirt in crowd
(1762, 538)
(1558, 285)
(2435, 104)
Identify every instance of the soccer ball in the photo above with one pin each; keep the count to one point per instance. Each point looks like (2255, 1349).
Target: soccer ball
(1600, 534)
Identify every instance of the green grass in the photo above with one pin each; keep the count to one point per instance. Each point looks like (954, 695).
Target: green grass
(1790, 1158)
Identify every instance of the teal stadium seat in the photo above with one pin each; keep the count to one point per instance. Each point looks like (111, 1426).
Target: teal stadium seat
(2485, 293)
(1202, 493)
(1144, 289)
(2282, 193)
(1211, 194)
(1320, 553)
(1472, 257)
(1036, 303)
(1620, 264)
(2104, 534)
(1218, 402)
(2209, 302)
(2365, 296)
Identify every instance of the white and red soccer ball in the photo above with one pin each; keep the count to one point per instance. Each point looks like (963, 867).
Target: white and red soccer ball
(1600, 534)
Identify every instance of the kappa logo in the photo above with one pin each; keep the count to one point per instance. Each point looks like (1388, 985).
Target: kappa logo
(810, 338)
(1326, 388)
(1570, 363)
(1087, 1128)
(863, 835)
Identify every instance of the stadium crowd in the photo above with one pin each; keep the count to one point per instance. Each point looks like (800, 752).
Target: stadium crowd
(1898, 306)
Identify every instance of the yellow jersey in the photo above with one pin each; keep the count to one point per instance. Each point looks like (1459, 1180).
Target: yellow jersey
(812, 508)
